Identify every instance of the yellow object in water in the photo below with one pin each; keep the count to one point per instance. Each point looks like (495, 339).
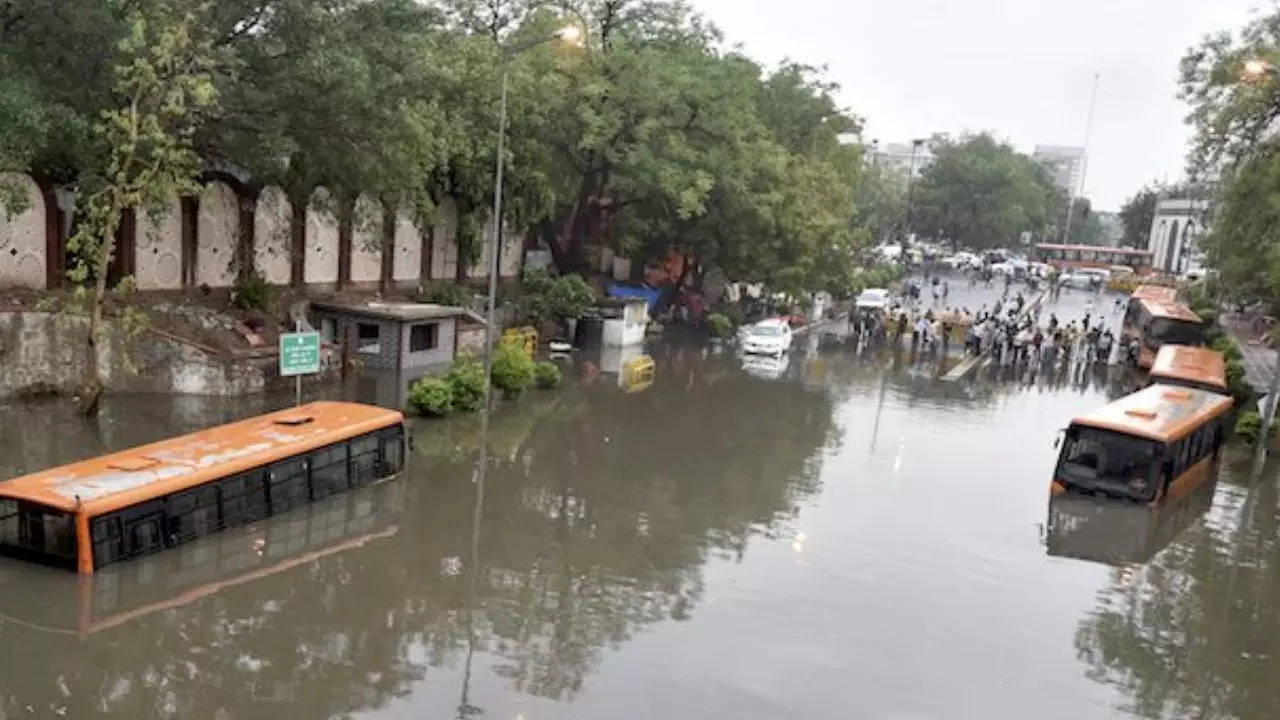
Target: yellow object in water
(637, 373)
(524, 337)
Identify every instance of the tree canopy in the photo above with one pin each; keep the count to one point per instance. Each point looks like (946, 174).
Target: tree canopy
(1136, 215)
(651, 136)
(1232, 114)
(981, 193)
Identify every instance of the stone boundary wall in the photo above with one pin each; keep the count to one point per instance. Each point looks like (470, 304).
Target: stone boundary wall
(46, 351)
(316, 240)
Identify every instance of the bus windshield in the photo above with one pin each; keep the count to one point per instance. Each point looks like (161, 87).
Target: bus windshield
(36, 533)
(1173, 332)
(1096, 460)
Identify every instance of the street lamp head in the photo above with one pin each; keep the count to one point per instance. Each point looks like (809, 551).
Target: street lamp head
(1255, 68)
(571, 34)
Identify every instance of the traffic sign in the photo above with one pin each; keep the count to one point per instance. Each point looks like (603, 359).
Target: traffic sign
(299, 353)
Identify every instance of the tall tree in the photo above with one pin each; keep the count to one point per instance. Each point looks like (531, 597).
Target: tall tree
(980, 193)
(1136, 215)
(1232, 115)
(163, 85)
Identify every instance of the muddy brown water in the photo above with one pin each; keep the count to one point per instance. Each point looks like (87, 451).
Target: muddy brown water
(833, 537)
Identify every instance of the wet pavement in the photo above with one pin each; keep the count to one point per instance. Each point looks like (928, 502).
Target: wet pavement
(839, 536)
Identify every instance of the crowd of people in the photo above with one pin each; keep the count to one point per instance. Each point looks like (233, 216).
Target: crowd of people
(1009, 331)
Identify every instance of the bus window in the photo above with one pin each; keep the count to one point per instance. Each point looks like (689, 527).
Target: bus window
(1097, 460)
(328, 470)
(244, 498)
(191, 514)
(288, 485)
(392, 450)
(364, 459)
(106, 540)
(38, 533)
(142, 528)
(1173, 332)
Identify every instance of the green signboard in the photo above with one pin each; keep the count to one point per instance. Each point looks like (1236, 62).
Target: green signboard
(299, 353)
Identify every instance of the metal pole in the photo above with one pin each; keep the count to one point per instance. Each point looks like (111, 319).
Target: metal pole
(1269, 414)
(1084, 162)
(297, 379)
(911, 186)
(493, 249)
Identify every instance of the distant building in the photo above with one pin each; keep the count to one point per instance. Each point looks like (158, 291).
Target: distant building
(1065, 164)
(897, 157)
(1176, 228)
(1112, 228)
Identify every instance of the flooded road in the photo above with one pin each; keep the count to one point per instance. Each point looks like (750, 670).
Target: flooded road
(842, 536)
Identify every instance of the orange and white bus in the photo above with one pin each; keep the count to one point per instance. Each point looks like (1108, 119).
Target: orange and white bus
(1156, 444)
(135, 502)
(1150, 324)
(1188, 366)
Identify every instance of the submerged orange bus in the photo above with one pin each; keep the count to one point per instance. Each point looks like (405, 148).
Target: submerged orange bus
(1188, 366)
(1151, 323)
(131, 503)
(1158, 443)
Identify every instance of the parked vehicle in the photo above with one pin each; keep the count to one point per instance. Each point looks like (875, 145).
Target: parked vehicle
(767, 337)
(1086, 278)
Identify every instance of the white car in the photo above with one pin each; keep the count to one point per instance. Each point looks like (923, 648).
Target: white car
(765, 367)
(767, 337)
(1085, 279)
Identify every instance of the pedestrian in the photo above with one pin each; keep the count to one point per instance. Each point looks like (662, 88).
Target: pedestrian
(1053, 323)
(1104, 346)
(946, 289)
(944, 331)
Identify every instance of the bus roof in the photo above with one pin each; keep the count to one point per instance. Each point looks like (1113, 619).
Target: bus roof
(1155, 292)
(120, 479)
(1171, 311)
(1160, 412)
(1194, 364)
(1093, 248)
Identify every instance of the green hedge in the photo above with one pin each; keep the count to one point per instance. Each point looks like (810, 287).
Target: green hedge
(546, 375)
(512, 369)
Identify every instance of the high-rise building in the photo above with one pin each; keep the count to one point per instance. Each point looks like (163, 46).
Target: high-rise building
(1065, 164)
(898, 157)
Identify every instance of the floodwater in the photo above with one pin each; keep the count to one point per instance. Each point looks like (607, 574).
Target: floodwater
(839, 536)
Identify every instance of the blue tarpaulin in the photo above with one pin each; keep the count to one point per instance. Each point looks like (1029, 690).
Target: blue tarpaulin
(648, 294)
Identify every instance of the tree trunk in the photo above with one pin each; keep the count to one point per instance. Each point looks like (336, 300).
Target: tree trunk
(91, 392)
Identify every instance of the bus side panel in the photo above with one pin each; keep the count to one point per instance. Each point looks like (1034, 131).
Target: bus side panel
(1190, 479)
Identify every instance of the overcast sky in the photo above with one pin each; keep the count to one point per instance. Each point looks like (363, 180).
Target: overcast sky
(1020, 68)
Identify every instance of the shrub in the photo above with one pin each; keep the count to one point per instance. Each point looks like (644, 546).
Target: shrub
(1208, 314)
(719, 325)
(1226, 345)
(546, 375)
(512, 369)
(549, 297)
(1249, 427)
(466, 382)
(446, 293)
(431, 396)
(251, 292)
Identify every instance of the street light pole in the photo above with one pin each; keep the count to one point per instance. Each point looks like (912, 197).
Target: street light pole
(1254, 70)
(911, 186)
(571, 34)
(493, 246)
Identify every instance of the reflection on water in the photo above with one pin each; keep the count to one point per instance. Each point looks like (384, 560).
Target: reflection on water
(721, 544)
(1196, 632)
(1117, 532)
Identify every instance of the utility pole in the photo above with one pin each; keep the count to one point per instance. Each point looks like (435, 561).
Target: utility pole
(911, 186)
(1084, 163)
